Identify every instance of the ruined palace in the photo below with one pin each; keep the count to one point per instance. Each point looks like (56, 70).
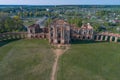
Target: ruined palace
(61, 32)
(36, 31)
(83, 33)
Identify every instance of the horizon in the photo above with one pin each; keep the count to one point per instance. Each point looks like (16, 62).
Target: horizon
(61, 2)
(60, 5)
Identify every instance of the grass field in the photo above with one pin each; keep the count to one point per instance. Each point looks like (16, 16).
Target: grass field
(33, 60)
(90, 61)
(25, 60)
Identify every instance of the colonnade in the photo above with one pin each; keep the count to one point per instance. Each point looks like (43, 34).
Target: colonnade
(37, 35)
(13, 35)
(110, 38)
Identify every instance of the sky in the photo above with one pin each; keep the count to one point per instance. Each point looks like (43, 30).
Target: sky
(59, 2)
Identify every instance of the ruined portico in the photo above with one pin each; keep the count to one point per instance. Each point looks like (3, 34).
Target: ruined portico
(59, 32)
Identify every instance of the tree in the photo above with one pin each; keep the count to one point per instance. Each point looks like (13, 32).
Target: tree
(76, 21)
(47, 22)
(18, 23)
(96, 26)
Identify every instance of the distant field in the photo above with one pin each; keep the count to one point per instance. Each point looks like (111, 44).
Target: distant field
(25, 60)
(90, 61)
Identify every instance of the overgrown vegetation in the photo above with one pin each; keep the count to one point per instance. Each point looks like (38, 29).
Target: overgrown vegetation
(9, 24)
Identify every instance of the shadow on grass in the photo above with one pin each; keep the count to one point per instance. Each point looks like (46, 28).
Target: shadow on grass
(4, 42)
(85, 42)
(118, 40)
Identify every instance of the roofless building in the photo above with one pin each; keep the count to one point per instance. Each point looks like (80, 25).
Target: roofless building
(59, 32)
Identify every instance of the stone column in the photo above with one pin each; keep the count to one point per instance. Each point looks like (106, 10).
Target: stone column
(21, 35)
(13, 36)
(33, 32)
(101, 37)
(68, 36)
(86, 38)
(116, 39)
(29, 33)
(63, 36)
(56, 34)
(3, 36)
(25, 35)
(10, 36)
(97, 37)
(53, 33)
(49, 35)
(0, 37)
(81, 37)
(106, 38)
(61, 33)
(111, 38)
(92, 37)
(55, 39)
(6, 38)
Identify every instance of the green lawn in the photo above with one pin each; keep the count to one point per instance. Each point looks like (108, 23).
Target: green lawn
(33, 60)
(25, 60)
(90, 61)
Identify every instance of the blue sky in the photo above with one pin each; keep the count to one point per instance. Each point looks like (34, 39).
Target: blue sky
(59, 2)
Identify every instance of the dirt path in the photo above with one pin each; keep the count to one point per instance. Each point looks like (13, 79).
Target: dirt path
(58, 52)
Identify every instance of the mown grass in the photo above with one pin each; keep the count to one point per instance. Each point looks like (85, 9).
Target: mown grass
(90, 61)
(25, 60)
